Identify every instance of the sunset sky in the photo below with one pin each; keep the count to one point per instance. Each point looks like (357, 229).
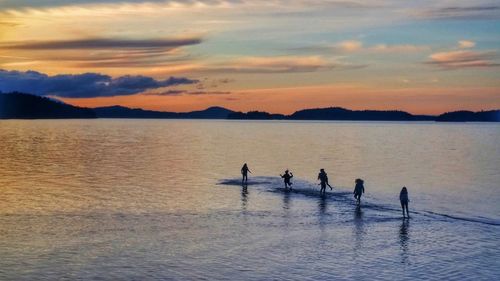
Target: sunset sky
(274, 55)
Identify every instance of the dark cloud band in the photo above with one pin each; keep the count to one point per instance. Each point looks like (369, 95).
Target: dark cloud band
(96, 43)
(86, 85)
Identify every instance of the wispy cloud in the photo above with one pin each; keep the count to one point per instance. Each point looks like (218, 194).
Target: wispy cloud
(356, 46)
(465, 44)
(84, 85)
(348, 4)
(280, 64)
(208, 93)
(105, 53)
(206, 83)
(402, 48)
(348, 46)
(466, 12)
(463, 59)
(166, 93)
(186, 92)
(102, 44)
(9, 23)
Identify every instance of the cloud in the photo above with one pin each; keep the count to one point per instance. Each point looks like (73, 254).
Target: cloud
(166, 93)
(212, 83)
(186, 92)
(102, 52)
(465, 44)
(471, 12)
(404, 48)
(282, 64)
(208, 93)
(355, 46)
(41, 4)
(9, 23)
(84, 85)
(101, 44)
(463, 59)
(349, 46)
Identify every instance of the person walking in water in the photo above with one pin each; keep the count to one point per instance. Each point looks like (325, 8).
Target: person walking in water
(403, 197)
(359, 189)
(244, 172)
(286, 178)
(323, 178)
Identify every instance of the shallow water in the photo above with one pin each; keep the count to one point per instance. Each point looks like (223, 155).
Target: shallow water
(162, 200)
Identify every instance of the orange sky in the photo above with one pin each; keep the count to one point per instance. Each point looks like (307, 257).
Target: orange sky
(289, 100)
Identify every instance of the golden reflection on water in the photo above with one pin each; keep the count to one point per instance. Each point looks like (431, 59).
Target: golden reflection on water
(145, 165)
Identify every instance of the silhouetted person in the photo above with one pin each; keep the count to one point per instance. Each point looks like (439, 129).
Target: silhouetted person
(244, 172)
(403, 197)
(286, 178)
(359, 189)
(323, 177)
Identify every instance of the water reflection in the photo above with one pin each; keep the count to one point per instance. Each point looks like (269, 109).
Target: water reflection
(244, 197)
(404, 239)
(359, 230)
(287, 221)
(286, 200)
(322, 215)
(322, 205)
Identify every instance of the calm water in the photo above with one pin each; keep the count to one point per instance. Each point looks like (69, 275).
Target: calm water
(161, 200)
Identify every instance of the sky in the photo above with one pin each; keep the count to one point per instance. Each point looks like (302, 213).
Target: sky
(425, 57)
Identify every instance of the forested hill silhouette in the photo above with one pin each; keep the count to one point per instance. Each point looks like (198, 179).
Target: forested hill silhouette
(335, 113)
(125, 112)
(469, 116)
(338, 113)
(256, 115)
(24, 106)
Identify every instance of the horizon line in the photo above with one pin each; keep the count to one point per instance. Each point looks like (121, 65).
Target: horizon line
(313, 108)
(253, 110)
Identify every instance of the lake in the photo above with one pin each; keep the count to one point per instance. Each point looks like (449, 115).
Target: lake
(111, 199)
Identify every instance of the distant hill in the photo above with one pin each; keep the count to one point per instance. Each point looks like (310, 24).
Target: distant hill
(338, 113)
(125, 112)
(255, 115)
(469, 116)
(214, 112)
(334, 113)
(24, 106)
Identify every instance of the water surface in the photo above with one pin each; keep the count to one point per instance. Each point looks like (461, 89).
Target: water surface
(161, 200)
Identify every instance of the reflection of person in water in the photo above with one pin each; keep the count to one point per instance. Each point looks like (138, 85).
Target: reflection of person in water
(404, 240)
(323, 177)
(244, 172)
(359, 189)
(286, 178)
(244, 197)
(359, 233)
(403, 197)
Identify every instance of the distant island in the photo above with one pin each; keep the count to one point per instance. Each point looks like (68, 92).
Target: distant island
(26, 106)
(334, 113)
(125, 112)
